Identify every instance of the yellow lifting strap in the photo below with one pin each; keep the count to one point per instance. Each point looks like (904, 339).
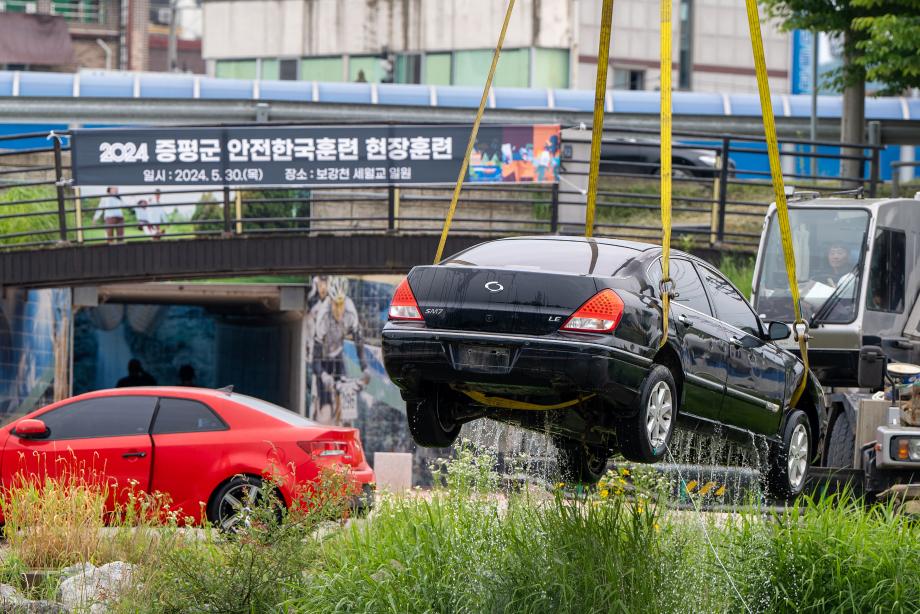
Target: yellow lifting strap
(666, 284)
(503, 403)
(782, 211)
(473, 134)
(597, 127)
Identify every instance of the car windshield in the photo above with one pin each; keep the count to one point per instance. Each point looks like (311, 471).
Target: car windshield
(579, 257)
(829, 250)
(270, 409)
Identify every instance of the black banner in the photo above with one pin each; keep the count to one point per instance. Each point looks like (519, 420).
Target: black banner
(310, 156)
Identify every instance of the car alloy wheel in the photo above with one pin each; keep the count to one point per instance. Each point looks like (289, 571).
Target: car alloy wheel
(644, 433)
(659, 412)
(790, 457)
(797, 458)
(235, 508)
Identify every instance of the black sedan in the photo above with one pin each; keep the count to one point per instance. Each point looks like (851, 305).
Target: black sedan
(642, 156)
(563, 335)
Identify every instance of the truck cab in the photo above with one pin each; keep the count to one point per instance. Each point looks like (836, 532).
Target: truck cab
(855, 263)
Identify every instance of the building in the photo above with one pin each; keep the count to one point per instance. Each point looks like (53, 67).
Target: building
(67, 35)
(187, 16)
(550, 43)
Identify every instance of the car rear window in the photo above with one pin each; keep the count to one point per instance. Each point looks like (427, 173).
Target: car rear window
(275, 411)
(578, 257)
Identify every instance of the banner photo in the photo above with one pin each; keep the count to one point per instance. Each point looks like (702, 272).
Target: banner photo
(312, 156)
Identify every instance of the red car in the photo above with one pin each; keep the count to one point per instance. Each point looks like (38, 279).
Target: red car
(195, 445)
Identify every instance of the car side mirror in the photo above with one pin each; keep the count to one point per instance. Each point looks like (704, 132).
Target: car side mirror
(870, 372)
(31, 428)
(777, 331)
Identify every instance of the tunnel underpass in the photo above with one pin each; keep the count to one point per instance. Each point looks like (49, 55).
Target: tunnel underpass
(246, 335)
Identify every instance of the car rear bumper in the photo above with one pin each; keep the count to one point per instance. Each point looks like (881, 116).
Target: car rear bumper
(415, 356)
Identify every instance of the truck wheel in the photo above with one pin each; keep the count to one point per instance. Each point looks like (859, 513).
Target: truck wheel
(645, 436)
(841, 444)
(579, 463)
(430, 422)
(791, 458)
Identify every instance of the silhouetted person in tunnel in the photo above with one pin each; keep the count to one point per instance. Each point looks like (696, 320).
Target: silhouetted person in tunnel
(187, 375)
(136, 376)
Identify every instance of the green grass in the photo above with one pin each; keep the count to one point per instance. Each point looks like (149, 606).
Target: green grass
(11, 226)
(469, 546)
(740, 271)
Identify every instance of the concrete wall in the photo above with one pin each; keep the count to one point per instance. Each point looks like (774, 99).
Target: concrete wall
(721, 48)
(294, 28)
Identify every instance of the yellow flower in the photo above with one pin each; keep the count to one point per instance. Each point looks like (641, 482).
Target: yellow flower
(657, 528)
(560, 485)
(624, 471)
(605, 493)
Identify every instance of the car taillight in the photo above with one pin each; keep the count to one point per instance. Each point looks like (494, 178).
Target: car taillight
(403, 306)
(325, 448)
(600, 314)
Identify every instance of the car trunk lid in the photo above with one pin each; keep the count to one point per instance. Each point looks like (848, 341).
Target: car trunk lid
(333, 445)
(498, 300)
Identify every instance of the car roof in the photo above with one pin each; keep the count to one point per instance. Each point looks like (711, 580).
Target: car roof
(178, 391)
(636, 245)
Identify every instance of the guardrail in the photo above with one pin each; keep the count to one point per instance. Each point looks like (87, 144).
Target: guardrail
(721, 191)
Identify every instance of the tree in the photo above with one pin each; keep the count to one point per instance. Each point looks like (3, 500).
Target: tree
(881, 44)
(890, 43)
(835, 17)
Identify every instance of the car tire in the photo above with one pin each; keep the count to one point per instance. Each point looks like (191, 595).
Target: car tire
(645, 436)
(791, 458)
(429, 422)
(579, 463)
(841, 443)
(229, 506)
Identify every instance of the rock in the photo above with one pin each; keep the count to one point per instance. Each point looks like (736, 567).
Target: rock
(95, 586)
(69, 572)
(12, 601)
(9, 594)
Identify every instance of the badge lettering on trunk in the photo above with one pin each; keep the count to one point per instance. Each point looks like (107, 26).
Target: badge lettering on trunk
(494, 286)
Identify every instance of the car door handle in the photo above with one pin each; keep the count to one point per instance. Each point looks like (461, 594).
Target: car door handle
(134, 455)
(736, 341)
(683, 319)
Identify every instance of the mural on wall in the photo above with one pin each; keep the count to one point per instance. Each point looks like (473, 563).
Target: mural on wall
(116, 344)
(34, 344)
(347, 382)
(339, 330)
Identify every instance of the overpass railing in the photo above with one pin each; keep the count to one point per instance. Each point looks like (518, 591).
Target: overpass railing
(721, 192)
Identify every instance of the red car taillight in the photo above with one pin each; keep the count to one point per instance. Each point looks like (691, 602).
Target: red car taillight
(403, 306)
(600, 314)
(326, 449)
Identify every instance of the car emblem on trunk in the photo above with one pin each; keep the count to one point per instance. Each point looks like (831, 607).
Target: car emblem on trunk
(494, 286)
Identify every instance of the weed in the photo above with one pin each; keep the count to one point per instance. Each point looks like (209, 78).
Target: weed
(57, 516)
(256, 568)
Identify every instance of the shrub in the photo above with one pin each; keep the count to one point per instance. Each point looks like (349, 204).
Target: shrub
(55, 521)
(32, 223)
(254, 569)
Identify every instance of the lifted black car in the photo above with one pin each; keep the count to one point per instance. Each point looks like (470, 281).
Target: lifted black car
(563, 335)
